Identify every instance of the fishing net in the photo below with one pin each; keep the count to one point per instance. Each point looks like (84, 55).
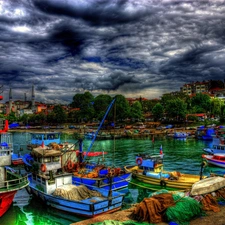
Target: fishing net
(184, 210)
(75, 193)
(114, 222)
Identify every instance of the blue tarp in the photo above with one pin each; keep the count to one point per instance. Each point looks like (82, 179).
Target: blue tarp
(13, 125)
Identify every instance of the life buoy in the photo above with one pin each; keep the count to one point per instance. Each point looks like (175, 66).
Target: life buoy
(139, 161)
(70, 165)
(43, 168)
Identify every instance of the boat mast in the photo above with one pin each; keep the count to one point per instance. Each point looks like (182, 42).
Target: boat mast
(96, 133)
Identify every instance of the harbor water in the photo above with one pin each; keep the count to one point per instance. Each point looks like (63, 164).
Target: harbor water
(179, 155)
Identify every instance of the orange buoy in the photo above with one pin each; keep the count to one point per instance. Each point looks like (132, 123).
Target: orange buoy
(43, 168)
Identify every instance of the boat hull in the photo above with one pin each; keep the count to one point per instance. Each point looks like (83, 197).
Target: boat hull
(118, 182)
(88, 208)
(210, 160)
(184, 182)
(6, 200)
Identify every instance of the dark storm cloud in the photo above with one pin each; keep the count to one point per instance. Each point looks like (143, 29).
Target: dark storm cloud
(131, 47)
(104, 12)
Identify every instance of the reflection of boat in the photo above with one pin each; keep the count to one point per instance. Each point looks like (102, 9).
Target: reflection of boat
(10, 181)
(149, 170)
(180, 135)
(218, 159)
(98, 174)
(52, 185)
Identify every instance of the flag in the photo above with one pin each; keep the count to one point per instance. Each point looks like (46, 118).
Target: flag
(42, 144)
(160, 150)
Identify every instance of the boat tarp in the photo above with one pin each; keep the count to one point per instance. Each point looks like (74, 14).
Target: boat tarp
(207, 185)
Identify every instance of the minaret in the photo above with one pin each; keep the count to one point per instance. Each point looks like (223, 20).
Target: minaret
(33, 99)
(10, 100)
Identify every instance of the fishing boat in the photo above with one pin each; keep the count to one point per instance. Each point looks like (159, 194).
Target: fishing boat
(218, 146)
(10, 181)
(98, 174)
(50, 183)
(43, 138)
(149, 170)
(17, 159)
(218, 159)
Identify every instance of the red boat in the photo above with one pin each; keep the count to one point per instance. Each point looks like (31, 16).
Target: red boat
(10, 181)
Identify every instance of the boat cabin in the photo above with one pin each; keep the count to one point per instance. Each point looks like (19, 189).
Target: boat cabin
(150, 162)
(45, 160)
(39, 138)
(6, 149)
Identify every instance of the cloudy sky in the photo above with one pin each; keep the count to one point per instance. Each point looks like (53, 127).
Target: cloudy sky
(130, 47)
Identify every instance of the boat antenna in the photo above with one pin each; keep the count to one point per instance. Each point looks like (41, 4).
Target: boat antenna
(96, 133)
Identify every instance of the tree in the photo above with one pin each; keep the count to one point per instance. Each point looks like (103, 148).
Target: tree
(216, 107)
(59, 114)
(176, 108)
(157, 111)
(11, 117)
(201, 101)
(85, 103)
(136, 111)
(122, 107)
(101, 104)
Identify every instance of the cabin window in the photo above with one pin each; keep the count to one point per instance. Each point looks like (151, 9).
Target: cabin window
(222, 148)
(39, 179)
(43, 181)
(47, 159)
(55, 159)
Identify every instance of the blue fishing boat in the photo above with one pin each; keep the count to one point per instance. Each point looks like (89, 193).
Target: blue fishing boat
(50, 183)
(43, 138)
(98, 174)
(218, 146)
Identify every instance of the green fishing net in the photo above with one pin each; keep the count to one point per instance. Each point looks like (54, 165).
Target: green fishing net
(184, 210)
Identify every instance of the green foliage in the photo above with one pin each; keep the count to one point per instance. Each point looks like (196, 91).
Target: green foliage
(11, 117)
(101, 103)
(216, 107)
(201, 101)
(136, 111)
(122, 107)
(176, 108)
(59, 114)
(85, 103)
(157, 111)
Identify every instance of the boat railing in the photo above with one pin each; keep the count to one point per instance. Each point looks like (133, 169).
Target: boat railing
(14, 181)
